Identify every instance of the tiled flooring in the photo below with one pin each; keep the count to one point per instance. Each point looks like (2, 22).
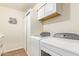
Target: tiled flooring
(19, 52)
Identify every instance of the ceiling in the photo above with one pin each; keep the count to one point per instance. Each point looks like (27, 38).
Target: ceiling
(19, 6)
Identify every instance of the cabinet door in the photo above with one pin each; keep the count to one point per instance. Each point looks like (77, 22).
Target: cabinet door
(34, 47)
(41, 12)
(50, 8)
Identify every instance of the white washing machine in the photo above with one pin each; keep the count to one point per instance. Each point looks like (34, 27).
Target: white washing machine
(50, 46)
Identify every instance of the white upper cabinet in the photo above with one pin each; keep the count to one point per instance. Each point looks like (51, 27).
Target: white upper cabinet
(41, 12)
(49, 10)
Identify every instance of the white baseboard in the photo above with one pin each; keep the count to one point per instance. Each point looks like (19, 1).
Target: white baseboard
(12, 49)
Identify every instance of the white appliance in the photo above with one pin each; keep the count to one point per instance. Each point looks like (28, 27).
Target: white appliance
(45, 48)
(51, 46)
(34, 46)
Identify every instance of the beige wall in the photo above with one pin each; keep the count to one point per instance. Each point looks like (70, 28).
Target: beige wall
(13, 33)
(36, 26)
(67, 22)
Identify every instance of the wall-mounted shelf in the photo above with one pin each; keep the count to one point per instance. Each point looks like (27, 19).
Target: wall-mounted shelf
(49, 16)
